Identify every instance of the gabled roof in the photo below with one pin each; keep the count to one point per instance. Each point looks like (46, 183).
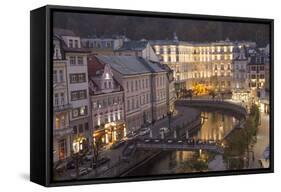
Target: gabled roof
(130, 65)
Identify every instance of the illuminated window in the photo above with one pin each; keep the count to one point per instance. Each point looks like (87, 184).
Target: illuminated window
(107, 76)
(57, 122)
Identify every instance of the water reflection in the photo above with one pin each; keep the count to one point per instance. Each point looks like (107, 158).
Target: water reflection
(215, 126)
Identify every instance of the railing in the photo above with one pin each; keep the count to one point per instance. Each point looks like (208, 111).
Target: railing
(218, 104)
(62, 107)
(60, 132)
(176, 146)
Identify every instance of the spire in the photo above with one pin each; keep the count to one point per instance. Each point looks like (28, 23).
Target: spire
(175, 37)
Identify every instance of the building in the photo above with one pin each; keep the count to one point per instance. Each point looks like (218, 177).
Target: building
(197, 66)
(62, 131)
(177, 55)
(145, 89)
(103, 45)
(137, 48)
(258, 69)
(78, 94)
(107, 101)
(240, 82)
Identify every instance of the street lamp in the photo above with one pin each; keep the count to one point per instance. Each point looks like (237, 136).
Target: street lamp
(169, 114)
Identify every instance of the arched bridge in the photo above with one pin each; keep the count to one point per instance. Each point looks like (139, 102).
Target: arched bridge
(179, 145)
(214, 104)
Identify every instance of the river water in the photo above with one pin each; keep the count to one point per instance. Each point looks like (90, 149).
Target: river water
(215, 126)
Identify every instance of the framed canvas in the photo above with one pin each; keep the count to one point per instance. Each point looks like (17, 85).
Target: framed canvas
(125, 95)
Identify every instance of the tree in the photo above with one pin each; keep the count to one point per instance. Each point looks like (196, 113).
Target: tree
(97, 146)
(212, 94)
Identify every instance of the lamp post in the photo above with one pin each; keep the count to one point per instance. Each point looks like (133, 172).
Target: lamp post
(169, 114)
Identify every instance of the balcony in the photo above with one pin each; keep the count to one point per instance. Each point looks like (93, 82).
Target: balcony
(62, 107)
(60, 132)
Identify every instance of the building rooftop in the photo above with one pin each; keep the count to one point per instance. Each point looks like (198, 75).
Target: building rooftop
(133, 46)
(130, 65)
(63, 32)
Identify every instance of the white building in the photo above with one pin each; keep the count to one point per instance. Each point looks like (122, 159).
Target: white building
(62, 130)
(78, 94)
(107, 101)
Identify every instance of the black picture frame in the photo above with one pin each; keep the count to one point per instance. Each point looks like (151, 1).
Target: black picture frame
(41, 94)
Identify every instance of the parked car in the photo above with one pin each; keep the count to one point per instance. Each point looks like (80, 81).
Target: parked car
(170, 141)
(164, 129)
(144, 131)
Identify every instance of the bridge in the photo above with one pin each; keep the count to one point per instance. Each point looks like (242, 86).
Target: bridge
(237, 109)
(179, 145)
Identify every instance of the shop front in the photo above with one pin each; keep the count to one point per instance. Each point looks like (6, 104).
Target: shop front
(80, 144)
(110, 133)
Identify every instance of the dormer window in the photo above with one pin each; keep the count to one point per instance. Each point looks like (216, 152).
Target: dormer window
(71, 43)
(76, 44)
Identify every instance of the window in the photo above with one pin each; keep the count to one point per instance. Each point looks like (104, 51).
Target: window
(86, 126)
(75, 129)
(78, 95)
(253, 68)
(80, 128)
(62, 149)
(128, 86)
(74, 96)
(56, 99)
(55, 78)
(62, 98)
(77, 78)
(261, 76)
(262, 68)
(80, 60)
(253, 76)
(75, 113)
(128, 105)
(80, 111)
(72, 60)
(83, 111)
(70, 43)
(61, 75)
(76, 44)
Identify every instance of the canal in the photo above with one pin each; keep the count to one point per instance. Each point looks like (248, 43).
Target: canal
(215, 126)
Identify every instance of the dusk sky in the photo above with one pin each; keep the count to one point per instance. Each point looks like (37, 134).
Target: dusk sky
(161, 28)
